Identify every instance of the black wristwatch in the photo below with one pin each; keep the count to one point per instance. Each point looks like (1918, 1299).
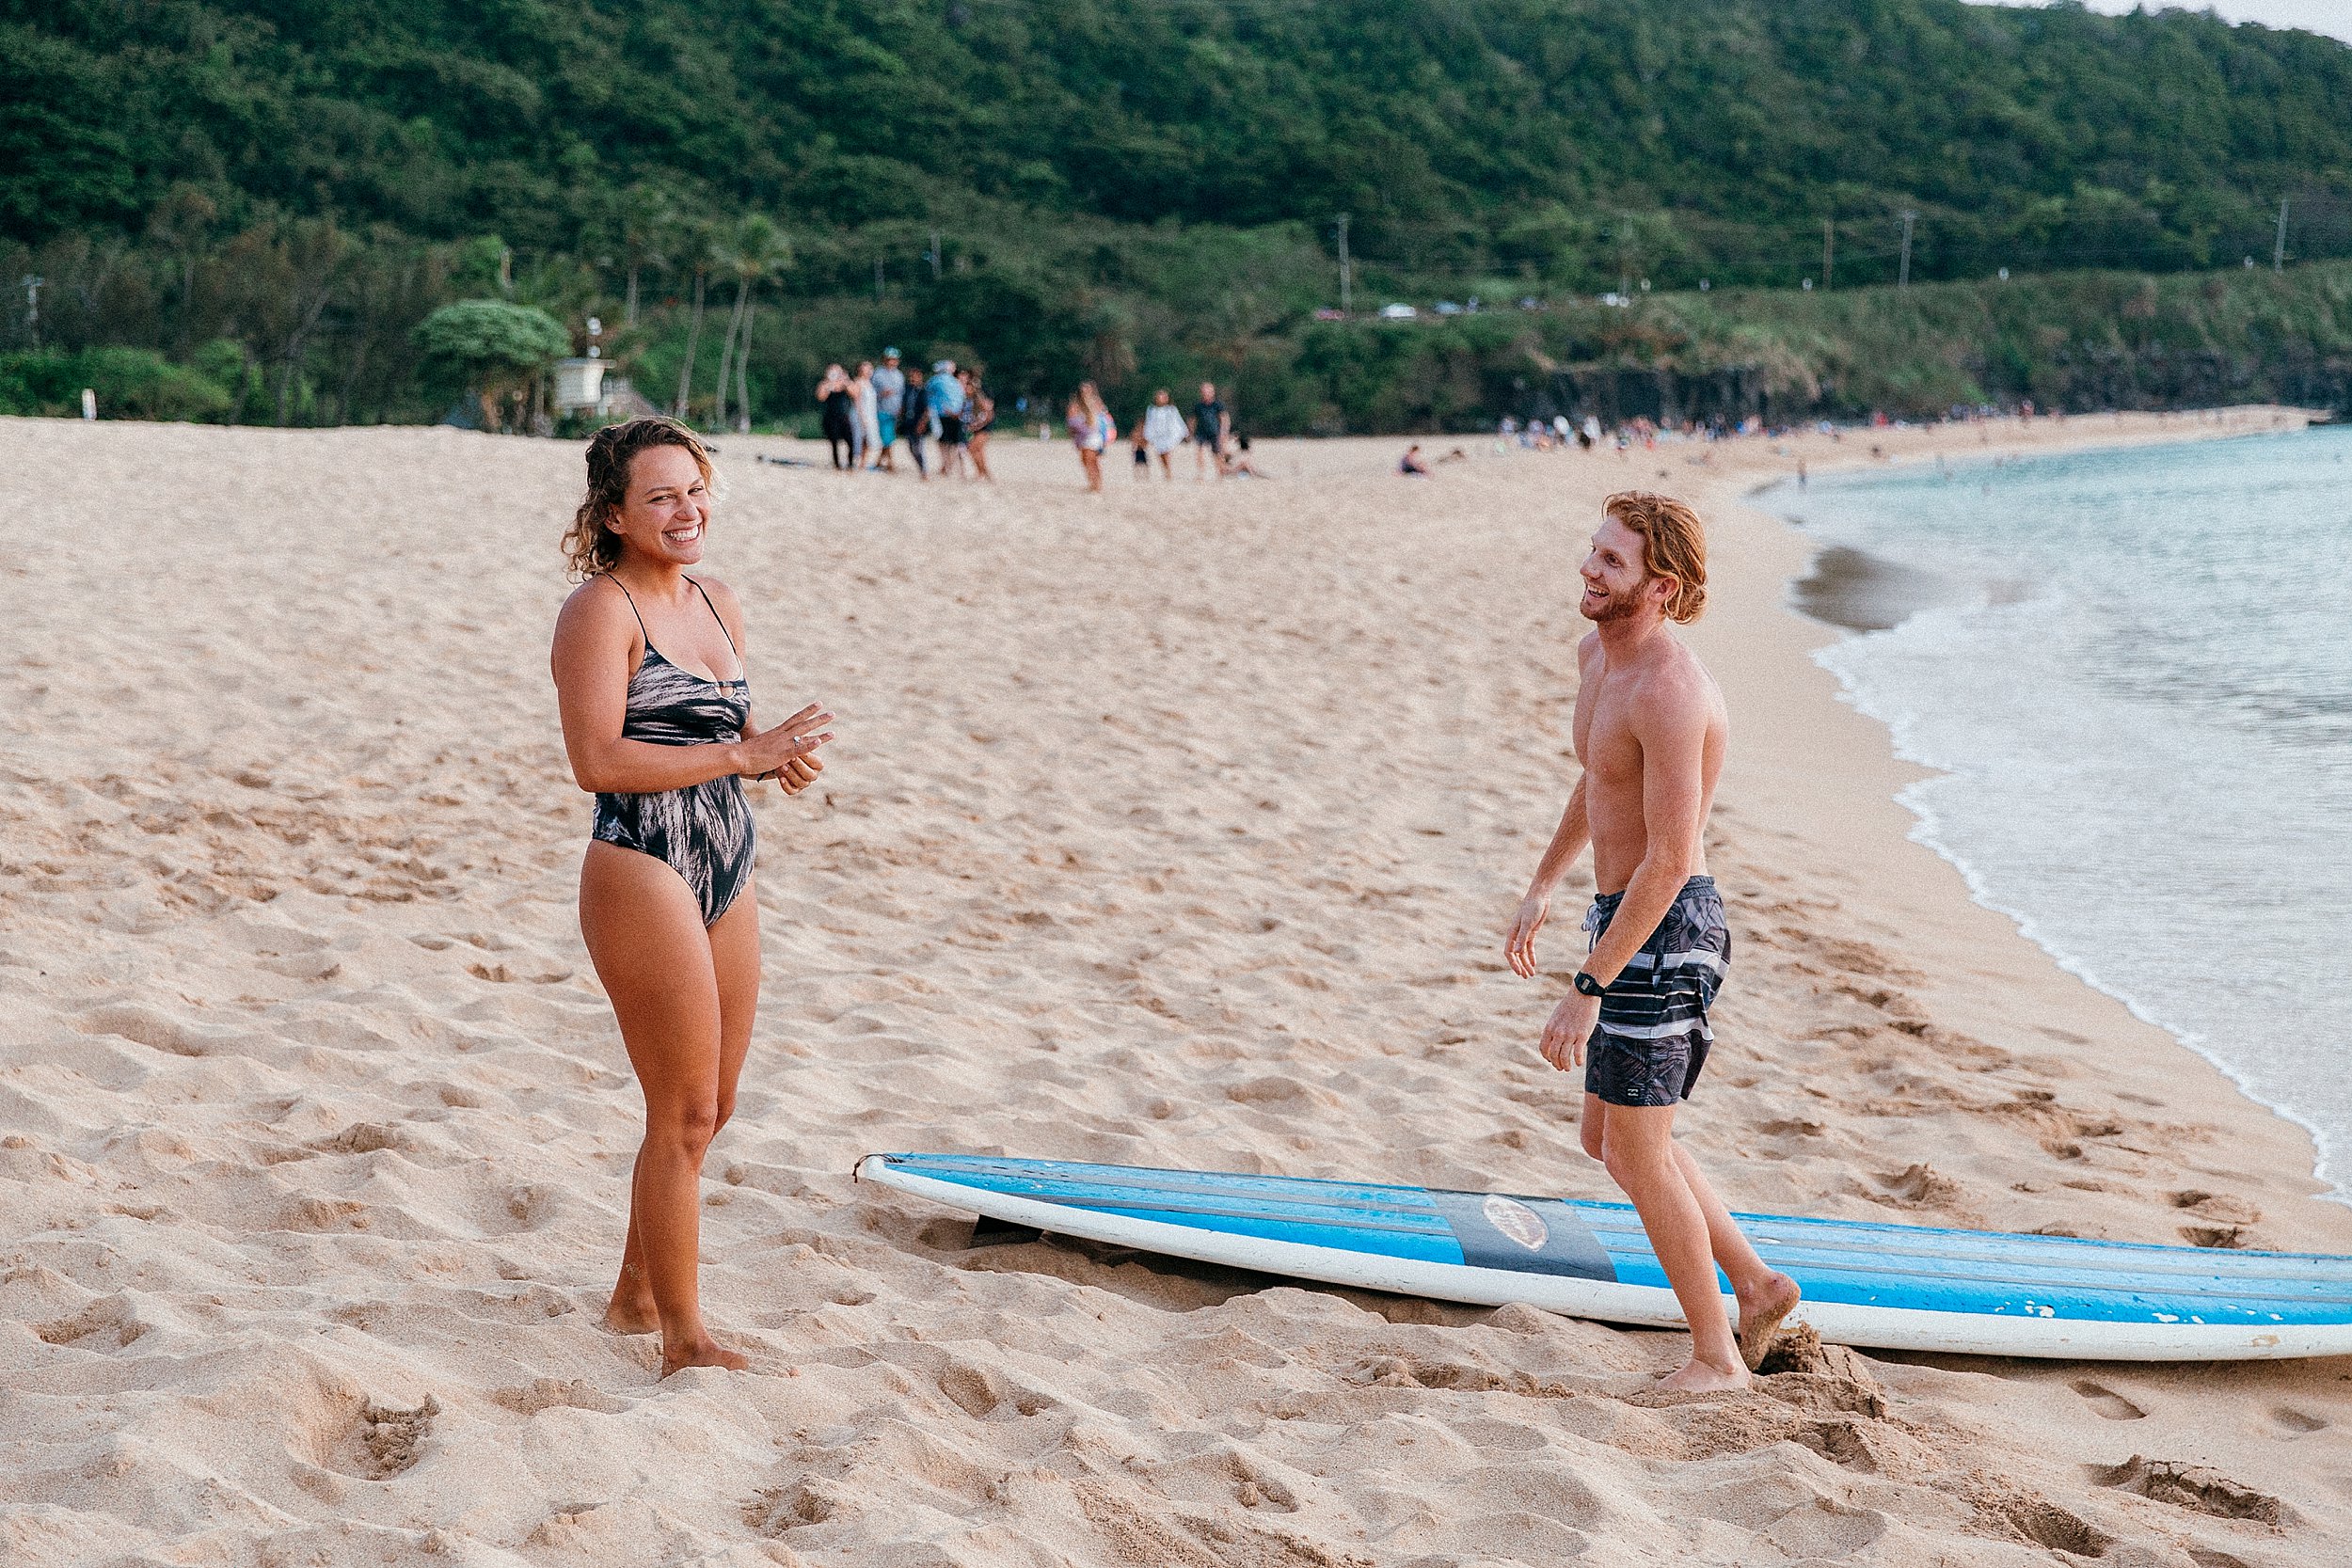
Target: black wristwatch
(1587, 985)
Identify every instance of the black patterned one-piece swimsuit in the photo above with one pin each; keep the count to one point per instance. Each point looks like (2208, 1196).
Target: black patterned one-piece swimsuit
(703, 831)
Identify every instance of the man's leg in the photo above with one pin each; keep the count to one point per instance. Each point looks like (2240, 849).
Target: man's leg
(1637, 1146)
(1766, 1295)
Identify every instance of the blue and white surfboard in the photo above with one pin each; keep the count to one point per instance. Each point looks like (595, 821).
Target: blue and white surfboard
(1895, 1287)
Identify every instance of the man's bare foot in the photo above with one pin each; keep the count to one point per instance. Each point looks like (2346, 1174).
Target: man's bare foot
(706, 1352)
(1695, 1376)
(631, 1316)
(1761, 1308)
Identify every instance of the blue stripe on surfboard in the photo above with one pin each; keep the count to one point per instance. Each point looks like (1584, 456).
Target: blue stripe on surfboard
(1850, 1262)
(1620, 1229)
(1852, 1283)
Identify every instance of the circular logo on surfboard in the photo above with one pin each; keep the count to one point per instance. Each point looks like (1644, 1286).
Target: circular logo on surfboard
(1517, 1221)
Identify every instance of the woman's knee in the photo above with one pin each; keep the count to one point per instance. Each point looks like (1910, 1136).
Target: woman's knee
(687, 1128)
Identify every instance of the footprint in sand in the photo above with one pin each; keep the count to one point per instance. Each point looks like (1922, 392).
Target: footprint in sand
(2106, 1401)
(2297, 1421)
(385, 1441)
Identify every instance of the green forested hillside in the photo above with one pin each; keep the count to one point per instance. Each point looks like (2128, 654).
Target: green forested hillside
(1140, 189)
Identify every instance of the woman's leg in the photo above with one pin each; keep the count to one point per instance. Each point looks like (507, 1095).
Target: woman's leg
(646, 936)
(979, 457)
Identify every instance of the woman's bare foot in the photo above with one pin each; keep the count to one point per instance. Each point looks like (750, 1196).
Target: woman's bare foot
(1695, 1376)
(1762, 1306)
(705, 1352)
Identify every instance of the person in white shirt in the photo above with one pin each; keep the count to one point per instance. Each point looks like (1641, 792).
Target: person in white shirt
(1164, 428)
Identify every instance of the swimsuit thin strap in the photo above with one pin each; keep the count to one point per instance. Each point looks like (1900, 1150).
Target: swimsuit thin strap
(716, 616)
(632, 609)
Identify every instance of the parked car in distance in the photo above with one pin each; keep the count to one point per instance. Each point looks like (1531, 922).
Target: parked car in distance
(1397, 312)
(1447, 308)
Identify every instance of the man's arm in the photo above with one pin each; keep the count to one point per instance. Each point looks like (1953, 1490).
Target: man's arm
(1673, 733)
(1568, 842)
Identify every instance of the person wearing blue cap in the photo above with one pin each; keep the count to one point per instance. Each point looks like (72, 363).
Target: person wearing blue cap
(890, 391)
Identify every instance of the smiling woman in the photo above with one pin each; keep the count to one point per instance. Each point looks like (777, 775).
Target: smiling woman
(665, 741)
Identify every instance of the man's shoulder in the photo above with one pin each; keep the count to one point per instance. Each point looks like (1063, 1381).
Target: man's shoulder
(1673, 683)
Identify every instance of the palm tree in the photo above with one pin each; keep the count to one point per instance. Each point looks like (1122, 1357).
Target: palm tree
(753, 253)
(649, 231)
(695, 249)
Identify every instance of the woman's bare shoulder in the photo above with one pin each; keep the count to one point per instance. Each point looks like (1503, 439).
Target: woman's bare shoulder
(596, 610)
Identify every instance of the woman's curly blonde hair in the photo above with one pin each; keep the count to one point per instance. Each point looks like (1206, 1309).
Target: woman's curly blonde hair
(591, 546)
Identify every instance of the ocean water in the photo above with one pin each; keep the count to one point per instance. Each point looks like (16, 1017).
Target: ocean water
(2133, 670)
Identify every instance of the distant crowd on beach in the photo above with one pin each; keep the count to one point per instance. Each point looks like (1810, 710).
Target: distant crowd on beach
(943, 420)
(946, 416)
(1217, 447)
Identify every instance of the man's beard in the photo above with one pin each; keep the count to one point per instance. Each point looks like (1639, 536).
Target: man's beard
(1612, 606)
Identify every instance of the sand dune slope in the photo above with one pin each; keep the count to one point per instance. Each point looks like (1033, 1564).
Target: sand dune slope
(1176, 827)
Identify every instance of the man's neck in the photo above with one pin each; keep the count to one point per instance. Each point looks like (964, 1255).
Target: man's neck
(1628, 637)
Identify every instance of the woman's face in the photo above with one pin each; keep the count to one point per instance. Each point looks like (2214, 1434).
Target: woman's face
(667, 508)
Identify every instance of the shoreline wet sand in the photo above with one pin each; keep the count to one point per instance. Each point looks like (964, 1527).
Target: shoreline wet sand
(1177, 826)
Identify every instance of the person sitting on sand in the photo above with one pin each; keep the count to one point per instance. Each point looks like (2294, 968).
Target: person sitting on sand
(1650, 733)
(660, 729)
(1410, 465)
(1236, 458)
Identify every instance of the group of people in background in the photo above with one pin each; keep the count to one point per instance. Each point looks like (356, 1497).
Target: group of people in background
(868, 415)
(943, 420)
(1209, 428)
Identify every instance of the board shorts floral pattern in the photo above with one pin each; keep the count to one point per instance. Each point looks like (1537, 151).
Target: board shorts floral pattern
(1651, 1040)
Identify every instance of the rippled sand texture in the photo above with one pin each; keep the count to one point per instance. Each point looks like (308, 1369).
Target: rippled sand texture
(1177, 826)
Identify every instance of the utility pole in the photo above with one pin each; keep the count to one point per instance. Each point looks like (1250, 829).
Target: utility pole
(1829, 251)
(934, 255)
(877, 278)
(2279, 251)
(32, 307)
(1902, 278)
(1346, 277)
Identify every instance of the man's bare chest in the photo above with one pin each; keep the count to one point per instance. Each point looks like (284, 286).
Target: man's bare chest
(1606, 746)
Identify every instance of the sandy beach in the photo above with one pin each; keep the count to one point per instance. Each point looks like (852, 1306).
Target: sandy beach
(1175, 826)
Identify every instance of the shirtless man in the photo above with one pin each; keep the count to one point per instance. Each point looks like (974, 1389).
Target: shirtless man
(1650, 733)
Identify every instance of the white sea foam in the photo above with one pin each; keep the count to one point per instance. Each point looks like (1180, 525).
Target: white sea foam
(2139, 707)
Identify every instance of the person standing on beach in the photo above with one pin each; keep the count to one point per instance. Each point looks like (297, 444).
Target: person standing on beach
(1090, 428)
(838, 399)
(979, 415)
(660, 727)
(1211, 424)
(1650, 733)
(890, 391)
(1164, 428)
(945, 394)
(868, 447)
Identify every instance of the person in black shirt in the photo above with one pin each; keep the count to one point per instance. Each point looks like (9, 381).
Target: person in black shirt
(1210, 425)
(839, 401)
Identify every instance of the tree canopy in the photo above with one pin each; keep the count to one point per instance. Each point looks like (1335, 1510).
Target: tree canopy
(1573, 138)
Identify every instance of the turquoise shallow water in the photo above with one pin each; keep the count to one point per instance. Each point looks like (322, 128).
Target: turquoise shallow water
(2134, 673)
